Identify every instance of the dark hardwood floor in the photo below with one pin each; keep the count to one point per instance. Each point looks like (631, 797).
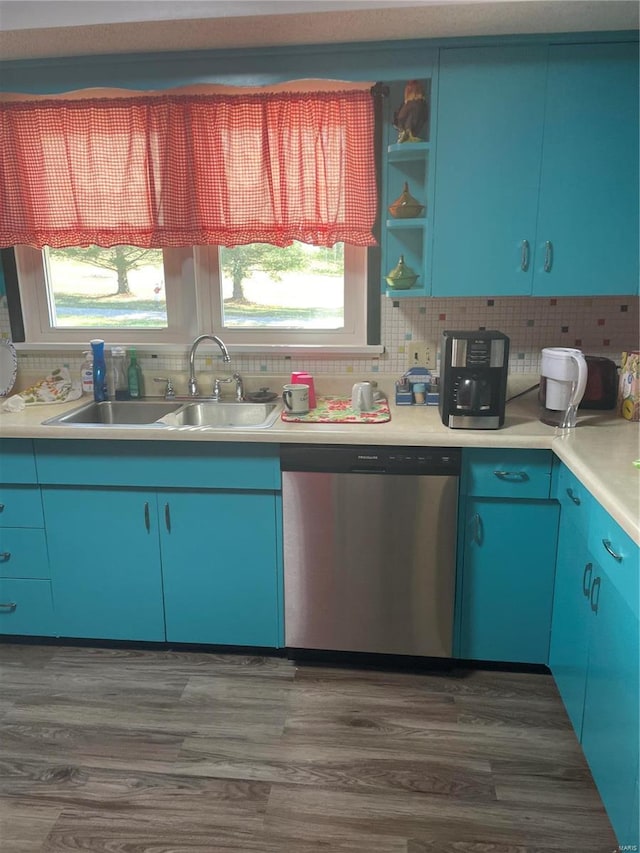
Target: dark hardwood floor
(130, 751)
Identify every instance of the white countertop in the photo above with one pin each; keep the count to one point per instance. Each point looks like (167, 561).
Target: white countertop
(600, 450)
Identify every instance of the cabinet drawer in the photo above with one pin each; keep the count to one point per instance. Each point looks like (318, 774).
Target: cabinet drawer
(499, 473)
(575, 501)
(616, 553)
(158, 464)
(20, 506)
(23, 553)
(26, 607)
(17, 462)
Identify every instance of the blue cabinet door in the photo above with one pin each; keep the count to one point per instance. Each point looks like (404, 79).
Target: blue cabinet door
(105, 562)
(589, 185)
(507, 582)
(610, 724)
(219, 559)
(489, 148)
(571, 622)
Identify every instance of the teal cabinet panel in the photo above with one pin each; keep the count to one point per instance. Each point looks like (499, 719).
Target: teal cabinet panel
(104, 560)
(507, 582)
(588, 211)
(151, 464)
(23, 553)
(617, 554)
(20, 506)
(17, 462)
(576, 502)
(488, 154)
(219, 567)
(611, 719)
(26, 607)
(503, 473)
(571, 621)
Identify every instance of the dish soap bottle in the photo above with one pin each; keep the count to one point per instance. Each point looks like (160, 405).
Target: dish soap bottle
(134, 376)
(99, 371)
(86, 373)
(119, 373)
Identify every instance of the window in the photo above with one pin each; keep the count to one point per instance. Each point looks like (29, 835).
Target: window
(255, 297)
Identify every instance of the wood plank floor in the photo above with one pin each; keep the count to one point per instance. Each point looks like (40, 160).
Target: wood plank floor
(130, 751)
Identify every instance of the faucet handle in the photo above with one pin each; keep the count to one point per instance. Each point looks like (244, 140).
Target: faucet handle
(169, 391)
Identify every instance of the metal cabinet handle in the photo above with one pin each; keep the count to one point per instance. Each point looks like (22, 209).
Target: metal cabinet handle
(167, 517)
(8, 605)
(524, 256)
(609, 550)
(147, 517)
(1, 507)
(573, 497)
(478, 533)
(586, 584)
(5, 556)
(548, 256)
(595, 600)
(512, 476)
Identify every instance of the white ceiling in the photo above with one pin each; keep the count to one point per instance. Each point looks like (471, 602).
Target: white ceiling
(35, 28)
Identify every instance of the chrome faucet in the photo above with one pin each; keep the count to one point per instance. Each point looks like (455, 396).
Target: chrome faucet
(239, 388)
(192, 386)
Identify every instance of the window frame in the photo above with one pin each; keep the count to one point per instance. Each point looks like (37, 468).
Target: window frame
(194, 299)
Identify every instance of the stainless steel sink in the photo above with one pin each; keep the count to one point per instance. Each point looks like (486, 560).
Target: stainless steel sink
(116, 412)
(227, 415)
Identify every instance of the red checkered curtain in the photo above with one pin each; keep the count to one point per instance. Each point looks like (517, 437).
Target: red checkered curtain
(184, 170)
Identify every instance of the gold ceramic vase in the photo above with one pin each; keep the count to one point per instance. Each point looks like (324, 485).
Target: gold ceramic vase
(401, 277)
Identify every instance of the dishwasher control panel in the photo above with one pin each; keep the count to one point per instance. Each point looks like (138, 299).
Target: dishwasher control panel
(358, 459)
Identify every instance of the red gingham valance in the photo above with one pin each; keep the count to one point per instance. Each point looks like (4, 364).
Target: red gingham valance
(183, 170)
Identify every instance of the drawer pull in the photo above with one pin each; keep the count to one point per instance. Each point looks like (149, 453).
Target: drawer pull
(147, 518)
(512, 476)
(595, 600)
(524, 256)
(167, 517)
(5, 556)
(586, 584)
(573, 497)
(609, 550)
(1, 507)
(8, 605)
(548, 256)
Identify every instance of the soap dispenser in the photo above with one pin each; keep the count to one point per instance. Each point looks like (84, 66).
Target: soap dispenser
(100, 393)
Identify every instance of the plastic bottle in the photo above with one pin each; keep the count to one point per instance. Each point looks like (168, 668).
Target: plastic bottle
(100, 393)
(86, 373)
(135, 378)
(120, 386)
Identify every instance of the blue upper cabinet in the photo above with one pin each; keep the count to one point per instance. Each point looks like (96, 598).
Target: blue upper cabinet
(489, 149)
(587, 236)
(536, 174)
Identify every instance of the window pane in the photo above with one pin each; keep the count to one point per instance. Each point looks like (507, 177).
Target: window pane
(92, 287)
(299, 287)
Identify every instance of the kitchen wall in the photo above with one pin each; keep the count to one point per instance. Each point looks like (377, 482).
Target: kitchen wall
(603, 326)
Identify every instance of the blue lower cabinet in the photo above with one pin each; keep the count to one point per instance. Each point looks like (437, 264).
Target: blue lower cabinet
(219, 567)
(507, 580)
(104, 562)
(571, 623)
(26, 607)
(611, 721)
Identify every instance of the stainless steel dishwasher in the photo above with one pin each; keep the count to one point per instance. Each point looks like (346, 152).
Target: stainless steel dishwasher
(369, 548)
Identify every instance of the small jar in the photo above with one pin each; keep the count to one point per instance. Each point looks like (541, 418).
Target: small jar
(419, 393)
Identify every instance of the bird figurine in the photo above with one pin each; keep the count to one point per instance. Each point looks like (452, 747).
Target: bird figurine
(412, 115)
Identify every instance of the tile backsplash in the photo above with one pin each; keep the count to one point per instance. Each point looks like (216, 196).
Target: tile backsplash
(602, 326)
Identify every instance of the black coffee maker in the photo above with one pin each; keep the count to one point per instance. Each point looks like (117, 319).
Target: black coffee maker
(473, 379)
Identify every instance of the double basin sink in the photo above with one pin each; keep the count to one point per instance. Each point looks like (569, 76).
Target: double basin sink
(167, 413)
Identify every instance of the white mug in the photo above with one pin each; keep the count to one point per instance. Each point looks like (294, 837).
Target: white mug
(362, 397)
(296, 398)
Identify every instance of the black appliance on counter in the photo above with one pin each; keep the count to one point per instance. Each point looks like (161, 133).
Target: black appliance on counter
(473, 379)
